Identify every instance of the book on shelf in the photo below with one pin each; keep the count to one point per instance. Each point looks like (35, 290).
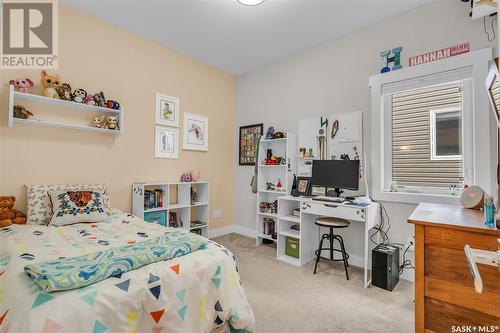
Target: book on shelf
(198, 224)
(153, 199)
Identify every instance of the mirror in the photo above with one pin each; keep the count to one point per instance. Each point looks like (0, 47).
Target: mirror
(493, 86)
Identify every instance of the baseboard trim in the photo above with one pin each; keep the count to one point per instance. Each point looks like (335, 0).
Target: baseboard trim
(234, 229)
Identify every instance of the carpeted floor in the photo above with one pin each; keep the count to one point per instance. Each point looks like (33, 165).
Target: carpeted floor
(287, 298)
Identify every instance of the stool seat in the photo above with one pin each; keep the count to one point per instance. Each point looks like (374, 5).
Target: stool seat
(332, 222)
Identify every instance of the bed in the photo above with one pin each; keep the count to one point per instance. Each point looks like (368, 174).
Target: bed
(197, 292)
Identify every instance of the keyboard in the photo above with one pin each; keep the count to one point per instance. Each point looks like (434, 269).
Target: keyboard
(330, 199)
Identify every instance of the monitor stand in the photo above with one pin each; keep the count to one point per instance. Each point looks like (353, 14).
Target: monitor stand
(334, 193)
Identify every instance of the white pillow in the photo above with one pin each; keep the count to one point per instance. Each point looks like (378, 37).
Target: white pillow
(70, 207)
(40, 208)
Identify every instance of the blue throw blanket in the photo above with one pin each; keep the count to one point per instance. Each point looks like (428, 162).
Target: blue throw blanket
(77, 272)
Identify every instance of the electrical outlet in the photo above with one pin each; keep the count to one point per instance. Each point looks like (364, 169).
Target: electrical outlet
(216, 214)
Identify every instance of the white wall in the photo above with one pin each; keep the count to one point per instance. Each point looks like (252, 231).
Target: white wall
(333, 78)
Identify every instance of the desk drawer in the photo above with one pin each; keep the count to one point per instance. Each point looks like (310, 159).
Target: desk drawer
(327, 209)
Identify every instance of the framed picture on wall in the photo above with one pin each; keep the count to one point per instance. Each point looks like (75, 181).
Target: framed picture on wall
(167, 110)
(195, 132)
(249, 135)
(166, 142)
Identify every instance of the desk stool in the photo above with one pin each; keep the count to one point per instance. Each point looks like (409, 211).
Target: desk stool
(331, 223)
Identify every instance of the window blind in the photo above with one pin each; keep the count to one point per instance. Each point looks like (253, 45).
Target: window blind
(411, 137)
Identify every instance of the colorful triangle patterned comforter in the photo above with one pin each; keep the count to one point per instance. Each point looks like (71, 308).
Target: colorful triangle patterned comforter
(196, 292)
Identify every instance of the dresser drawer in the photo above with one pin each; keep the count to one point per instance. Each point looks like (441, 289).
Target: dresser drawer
(327, 209)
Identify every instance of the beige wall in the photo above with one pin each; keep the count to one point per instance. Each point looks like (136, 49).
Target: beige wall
(97, 56)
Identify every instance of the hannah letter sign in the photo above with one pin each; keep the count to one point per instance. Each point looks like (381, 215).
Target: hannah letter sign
(439, 54)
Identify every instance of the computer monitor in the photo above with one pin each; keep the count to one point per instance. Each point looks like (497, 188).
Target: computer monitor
(337, 174)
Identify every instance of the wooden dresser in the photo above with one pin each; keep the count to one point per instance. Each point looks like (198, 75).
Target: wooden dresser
(444, 289)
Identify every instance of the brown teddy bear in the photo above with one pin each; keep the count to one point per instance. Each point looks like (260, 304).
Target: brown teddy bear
(9, 215)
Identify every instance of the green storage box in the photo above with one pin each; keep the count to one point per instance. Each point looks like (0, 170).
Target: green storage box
(292, 247)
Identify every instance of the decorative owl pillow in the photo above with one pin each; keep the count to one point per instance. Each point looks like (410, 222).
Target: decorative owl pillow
(70, 207)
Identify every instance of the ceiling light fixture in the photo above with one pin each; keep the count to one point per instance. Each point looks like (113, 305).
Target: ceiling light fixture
(250, 2)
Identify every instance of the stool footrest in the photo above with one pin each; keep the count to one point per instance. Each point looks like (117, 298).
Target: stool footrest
(328, 249)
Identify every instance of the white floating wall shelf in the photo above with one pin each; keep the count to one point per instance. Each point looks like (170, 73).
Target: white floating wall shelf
(15, 97)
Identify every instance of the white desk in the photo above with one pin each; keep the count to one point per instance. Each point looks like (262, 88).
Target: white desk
(309, 233)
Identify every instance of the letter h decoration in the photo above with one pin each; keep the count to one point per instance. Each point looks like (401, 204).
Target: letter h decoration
(389, 57)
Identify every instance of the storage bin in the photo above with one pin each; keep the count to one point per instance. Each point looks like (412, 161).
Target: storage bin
(156, 217)
(292, 247)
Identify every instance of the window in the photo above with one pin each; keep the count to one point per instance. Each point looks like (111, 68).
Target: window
(446, 134)
(427, 137)
(432, 128)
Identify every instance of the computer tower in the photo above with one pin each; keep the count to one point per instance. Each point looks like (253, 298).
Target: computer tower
(385, 266)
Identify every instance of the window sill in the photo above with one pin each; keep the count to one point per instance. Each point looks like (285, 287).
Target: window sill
(415, 198)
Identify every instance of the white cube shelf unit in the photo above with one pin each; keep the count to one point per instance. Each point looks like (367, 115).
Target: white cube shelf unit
(16, 97)
(154, 202)
(286, 148)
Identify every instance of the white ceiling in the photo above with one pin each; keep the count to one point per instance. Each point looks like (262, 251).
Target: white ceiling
(239, 39)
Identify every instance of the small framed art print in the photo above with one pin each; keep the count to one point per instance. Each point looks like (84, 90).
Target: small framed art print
(167, 110)
(195, 132)
(166, 142)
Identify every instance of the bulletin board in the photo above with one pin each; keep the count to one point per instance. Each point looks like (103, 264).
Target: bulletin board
(348, 139)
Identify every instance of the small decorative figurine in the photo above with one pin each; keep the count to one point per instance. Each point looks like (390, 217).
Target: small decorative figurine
(64, 91)
(186, 177)
(110, 104)
(100, 121)
(49, 84)
(21, 113)
(279, 187)
(195, 175)
(79, 95)
(345, 157)
(22, 85)
(278, 135)
(270, 133)
(389, 57)
(100, 100)
(89, 100)
(111, 122)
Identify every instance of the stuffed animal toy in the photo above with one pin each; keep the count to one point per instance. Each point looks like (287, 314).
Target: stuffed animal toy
(64, 91)
(89, 100)
(79, 95)
(21, 112)
(22, 85)
(49, 84)
(100, 100)
(110, 104)
(195, 175)
(111, 123)
(9, 215)
(100, 121)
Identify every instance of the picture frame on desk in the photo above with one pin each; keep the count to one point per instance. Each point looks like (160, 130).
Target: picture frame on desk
(303, 186)
(318, 190)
